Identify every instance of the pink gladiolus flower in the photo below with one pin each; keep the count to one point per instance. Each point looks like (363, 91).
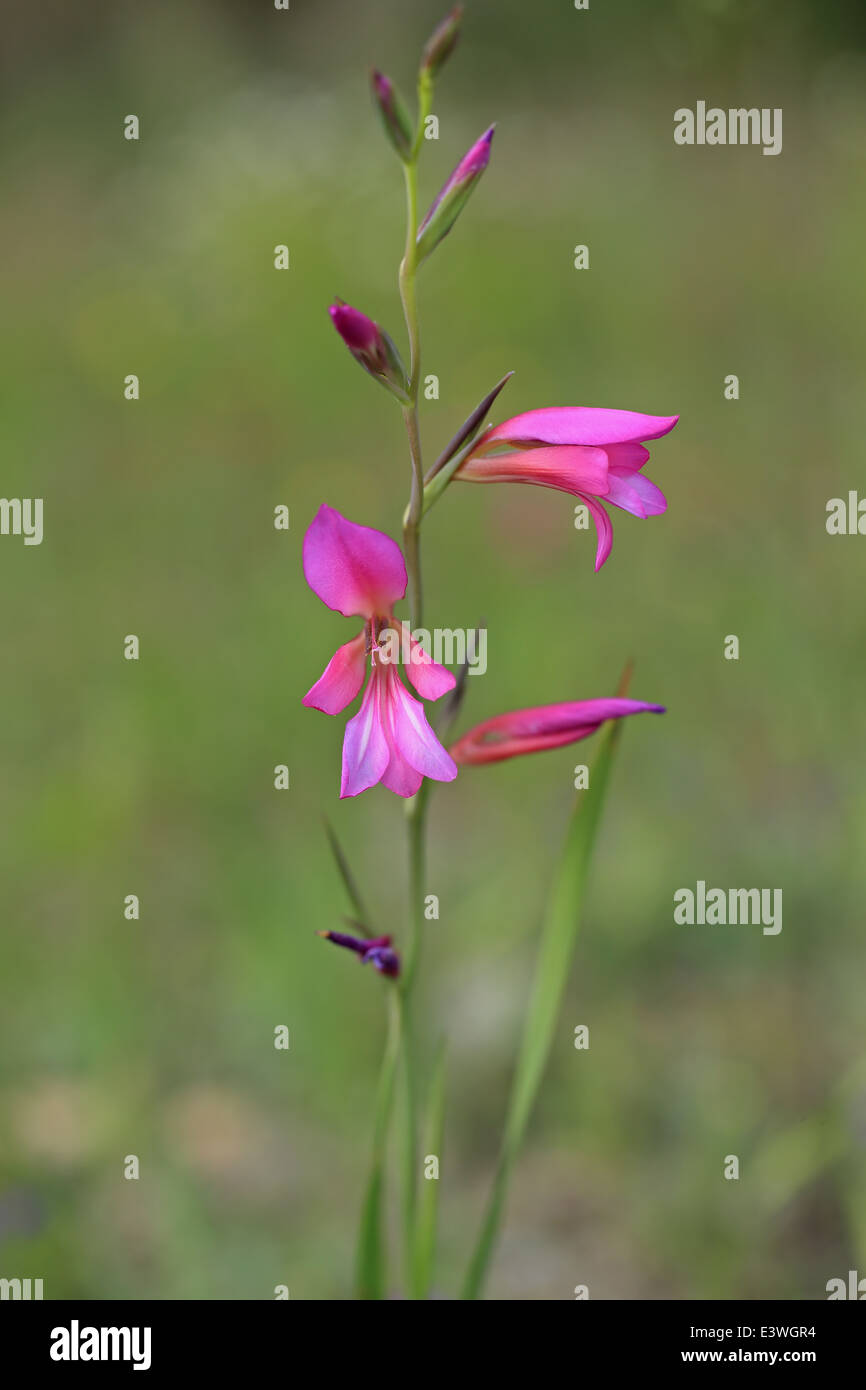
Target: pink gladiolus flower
(360, 572)
(545, 726)
(590, 453)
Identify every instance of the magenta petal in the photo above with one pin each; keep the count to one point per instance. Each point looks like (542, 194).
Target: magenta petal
(569, 468)
(341, 679)
(429, 678)
(575, 424)
(354, 569)
(411, 735)
(605, 531)
(642, 497)
(365, 746)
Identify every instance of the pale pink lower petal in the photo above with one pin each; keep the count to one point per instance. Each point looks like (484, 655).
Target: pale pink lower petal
(365, 745)
(642, 493)
(353, 569)
(605, 531)
(341, 679)
(570, 469)
(399, 777)
(411, 735)
(429, 678)
(575, 424)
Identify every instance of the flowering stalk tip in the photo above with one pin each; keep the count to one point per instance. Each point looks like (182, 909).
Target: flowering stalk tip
(372, 347)
(441, 43)
(392, 109)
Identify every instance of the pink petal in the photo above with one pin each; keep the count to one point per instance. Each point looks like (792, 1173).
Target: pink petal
(626, 458)
(365, 746)
(341, 679)
(568, 468)
(399, 777)
(605, 531)
(635, 493)
(411, 736)
(353, 569)
(429, 678)
(575, 424)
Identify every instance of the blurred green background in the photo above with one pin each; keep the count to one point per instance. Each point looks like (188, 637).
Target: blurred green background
(156, 778)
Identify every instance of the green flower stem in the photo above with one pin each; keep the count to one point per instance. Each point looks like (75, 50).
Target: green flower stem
(370, 1260)
(416, 810)
(414, 512)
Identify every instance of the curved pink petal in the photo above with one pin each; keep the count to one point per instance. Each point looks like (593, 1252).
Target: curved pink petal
(341, 679)
(577, 424)
(354, 569)
(429, 678)
(572, 469)
(635, 493)
(542, 727)
(626, 458)
(604, 528)
(411, 736)
(365, 746)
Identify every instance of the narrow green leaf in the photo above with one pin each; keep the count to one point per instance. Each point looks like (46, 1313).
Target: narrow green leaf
(362, 920)
(558, 936)
(428, 1204)
(467, 430)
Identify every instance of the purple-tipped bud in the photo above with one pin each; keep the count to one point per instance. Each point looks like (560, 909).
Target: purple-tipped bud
(370, 346)
(442, 42)
(395, 117)
(374, 950)
(450, 200)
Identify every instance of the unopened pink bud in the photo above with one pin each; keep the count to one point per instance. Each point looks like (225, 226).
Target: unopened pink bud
(450, 200)
(442, 42)
(395, 117)
(370, 346)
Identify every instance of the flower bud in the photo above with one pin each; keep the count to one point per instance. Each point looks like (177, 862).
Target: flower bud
(449, 202)
(442, 42)
(370, 346)
(372, 950)
(395, 117)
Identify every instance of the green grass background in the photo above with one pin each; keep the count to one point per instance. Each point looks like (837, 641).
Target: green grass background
(155, 1038)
